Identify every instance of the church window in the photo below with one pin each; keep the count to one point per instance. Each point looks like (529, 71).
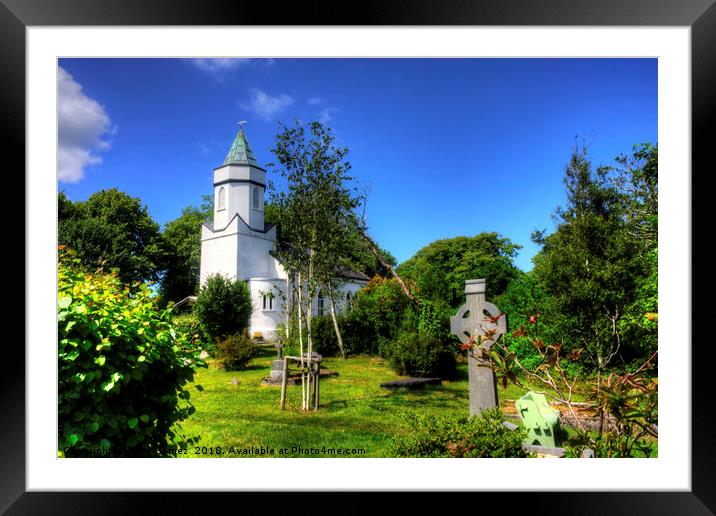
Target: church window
(255, 200)
(222, 198)
(321, 303)
(349, 301)
(268, 302)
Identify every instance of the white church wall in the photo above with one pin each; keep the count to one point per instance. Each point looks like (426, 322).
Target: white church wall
(340, 298)
(219, 253)
(253, 256)
(265, 321)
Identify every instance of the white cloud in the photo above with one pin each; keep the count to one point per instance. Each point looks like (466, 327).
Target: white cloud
(219, 66)
(266, 106)
(326, 114)
(316, 101)
(82, 125)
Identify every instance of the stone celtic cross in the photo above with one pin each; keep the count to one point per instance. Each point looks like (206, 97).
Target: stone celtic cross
(484, 322)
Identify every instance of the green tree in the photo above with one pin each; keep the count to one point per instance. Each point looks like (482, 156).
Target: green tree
(438, 271)
(315, 213)
(223, 306)
(637, 179)
(363, 258)
(182, 239)
(377, 315)
(112, 230)
(591, 264)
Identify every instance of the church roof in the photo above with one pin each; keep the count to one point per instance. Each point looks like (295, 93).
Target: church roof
(240, 153)
(347, 273)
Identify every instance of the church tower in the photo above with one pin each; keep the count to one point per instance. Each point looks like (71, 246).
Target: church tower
(239, 245)
(239, 186)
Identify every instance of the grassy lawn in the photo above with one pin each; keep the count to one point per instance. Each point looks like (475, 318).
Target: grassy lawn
(355, 411)
(236, 410)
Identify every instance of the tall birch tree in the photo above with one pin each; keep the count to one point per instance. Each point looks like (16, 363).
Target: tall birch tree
(315, 212)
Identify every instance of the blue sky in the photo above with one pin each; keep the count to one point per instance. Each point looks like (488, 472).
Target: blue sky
(448, 147)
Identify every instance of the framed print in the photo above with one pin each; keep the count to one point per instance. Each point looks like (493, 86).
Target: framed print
(151, 95)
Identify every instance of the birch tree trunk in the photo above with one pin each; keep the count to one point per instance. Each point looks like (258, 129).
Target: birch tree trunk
(300, 339)
(309, 316)
(335, 322)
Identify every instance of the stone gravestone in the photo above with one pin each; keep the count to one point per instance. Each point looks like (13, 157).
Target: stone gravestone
(276, 374)
(485, 323)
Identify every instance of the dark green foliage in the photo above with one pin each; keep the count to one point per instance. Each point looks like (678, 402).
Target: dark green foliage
(235, 351)
(362, 258)
(438, 271)
(591, 265)
(223, 306)
(324, 334)
(415, 354)
(637, 179)
(433, 319)
(524, 302)
(376, 317)
(112, 230)
(122, 368)
(449, 436)
(639, 325)
(182, 238)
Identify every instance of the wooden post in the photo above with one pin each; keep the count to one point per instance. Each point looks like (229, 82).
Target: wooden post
(317, 388)
(284, 381)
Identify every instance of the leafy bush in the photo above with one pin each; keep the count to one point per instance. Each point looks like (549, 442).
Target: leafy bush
(376, 316)
(434, 319)
(223, 306)
(190, 326)
(235, 351)
(122, 367)
(414, 354)
(289, 337)
(639, 326)
(525, 303)
(451, 436)
(323, 332)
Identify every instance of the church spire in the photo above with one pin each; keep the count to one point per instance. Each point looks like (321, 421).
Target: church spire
(240, 153)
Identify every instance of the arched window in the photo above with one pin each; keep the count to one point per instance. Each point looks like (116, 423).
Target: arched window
(255, 200)
(320, 303)
(221, 202)
(349, 300)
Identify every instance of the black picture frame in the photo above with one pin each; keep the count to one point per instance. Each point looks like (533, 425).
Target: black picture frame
(699, 15)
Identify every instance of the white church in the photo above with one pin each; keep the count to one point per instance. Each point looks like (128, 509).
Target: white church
(238, 243)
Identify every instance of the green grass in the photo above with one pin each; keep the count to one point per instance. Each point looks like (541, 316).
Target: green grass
(355, 412)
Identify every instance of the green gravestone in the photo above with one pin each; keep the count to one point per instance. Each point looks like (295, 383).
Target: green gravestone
(540, 420)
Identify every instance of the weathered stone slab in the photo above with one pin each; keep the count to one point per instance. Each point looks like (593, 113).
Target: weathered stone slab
(510, 426)
(543, 451)
(411, 383)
